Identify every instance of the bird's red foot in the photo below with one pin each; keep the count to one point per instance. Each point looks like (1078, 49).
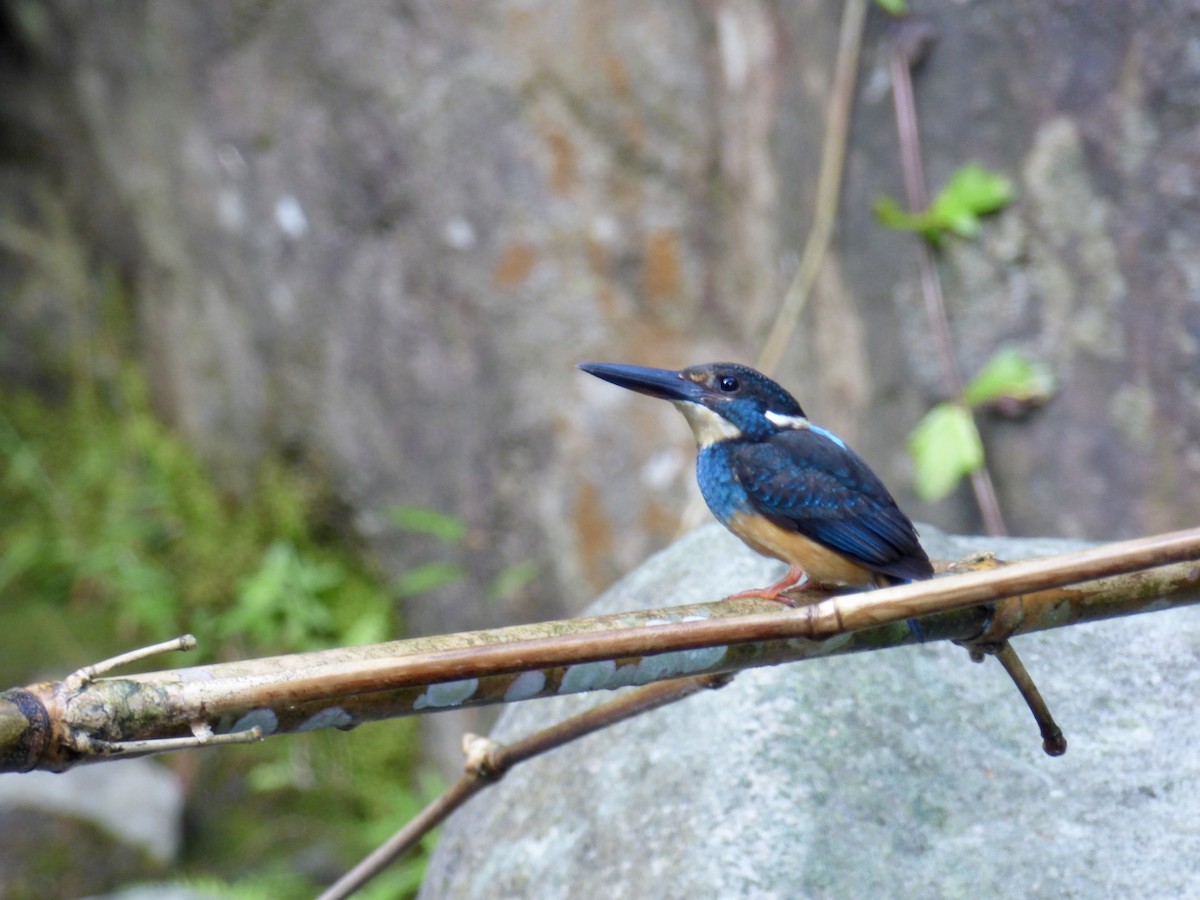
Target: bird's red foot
(795, 579)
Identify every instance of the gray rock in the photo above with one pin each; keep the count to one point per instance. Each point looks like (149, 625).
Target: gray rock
(137, 801)
(88, 830)
(903, 773)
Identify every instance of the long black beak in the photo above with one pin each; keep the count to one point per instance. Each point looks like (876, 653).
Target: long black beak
(666, 384)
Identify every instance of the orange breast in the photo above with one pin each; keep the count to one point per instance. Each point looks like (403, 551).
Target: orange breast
(825, 568)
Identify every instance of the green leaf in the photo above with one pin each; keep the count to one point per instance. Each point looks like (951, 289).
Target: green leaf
(944, 446)
(442, 526)
(427, 577)
(971, 192)
(1010, 373)
(892, 215)
(895, 7)
(371, 627)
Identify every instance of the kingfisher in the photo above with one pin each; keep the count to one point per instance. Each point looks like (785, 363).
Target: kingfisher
(787, 488)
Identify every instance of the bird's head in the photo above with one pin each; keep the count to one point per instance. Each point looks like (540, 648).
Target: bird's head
(721, 401)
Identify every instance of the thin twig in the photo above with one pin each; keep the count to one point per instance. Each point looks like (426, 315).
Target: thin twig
(90, 673)
(904, 54)
(829, 186)
(1053, 741)
(495, 760)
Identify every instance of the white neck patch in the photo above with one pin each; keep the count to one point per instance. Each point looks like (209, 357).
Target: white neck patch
(783, 421)
(786, 421)
(707, 426)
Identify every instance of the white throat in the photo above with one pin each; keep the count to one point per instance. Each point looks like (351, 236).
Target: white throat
(707, 426)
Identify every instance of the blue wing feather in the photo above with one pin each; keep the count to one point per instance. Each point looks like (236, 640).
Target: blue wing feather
(807, 481)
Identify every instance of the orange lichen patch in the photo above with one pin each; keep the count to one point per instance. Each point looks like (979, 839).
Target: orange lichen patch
(651, 338)
(514, 265)
(606, 301)
(618, 75)
(661, 274)
(521, 19)
(594, 533)
(562, 161)
(659, 521)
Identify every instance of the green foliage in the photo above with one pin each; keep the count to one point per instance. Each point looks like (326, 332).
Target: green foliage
(972, 192)
(1011, 375)
(103, 508)
(512, 580)
(113, 534)
(446, 528)
(436, 574)
(351, 790)
(289, 599)
(895, 7)
(427, 577)
(946, 444)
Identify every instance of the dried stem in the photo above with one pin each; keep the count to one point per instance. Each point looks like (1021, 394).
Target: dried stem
(90, 673)
(829, 186)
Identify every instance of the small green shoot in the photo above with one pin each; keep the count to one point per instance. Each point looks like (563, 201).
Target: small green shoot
(512, 580)
(444, 527)
(971, 192)
(431, 575)
(894, 7)
(427, 577)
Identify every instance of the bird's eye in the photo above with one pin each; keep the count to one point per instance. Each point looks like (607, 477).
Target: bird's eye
(728, 384)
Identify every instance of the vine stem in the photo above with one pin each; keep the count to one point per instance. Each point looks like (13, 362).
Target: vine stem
(909, 46)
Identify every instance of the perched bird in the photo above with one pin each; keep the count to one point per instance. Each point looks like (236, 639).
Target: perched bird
(789, 489)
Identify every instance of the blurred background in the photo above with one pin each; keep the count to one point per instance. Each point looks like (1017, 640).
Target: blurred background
(291, 295)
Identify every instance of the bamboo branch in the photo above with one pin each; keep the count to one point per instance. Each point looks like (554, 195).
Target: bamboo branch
(54, 725)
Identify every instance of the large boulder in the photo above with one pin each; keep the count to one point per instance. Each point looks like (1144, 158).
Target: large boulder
(909, 772)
